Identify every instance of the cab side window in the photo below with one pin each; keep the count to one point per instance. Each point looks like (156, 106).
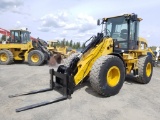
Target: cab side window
(23, 37)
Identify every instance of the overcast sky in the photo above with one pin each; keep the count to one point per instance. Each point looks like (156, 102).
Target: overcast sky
(76, 19)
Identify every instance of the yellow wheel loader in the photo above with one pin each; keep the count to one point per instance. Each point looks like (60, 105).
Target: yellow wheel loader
(65, 51)
(21, 47)
(106, 60)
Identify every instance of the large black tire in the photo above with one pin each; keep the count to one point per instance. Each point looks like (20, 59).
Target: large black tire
(39, 59)
(69, 59)
(106, 67)
(144, 77)
(6, 57)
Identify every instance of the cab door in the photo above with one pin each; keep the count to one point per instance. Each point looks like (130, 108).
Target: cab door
(133, 38)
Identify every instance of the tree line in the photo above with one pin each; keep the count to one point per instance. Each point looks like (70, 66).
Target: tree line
(74, 45)
(153, 48)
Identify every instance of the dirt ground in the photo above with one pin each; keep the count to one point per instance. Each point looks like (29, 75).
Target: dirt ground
(134, 101)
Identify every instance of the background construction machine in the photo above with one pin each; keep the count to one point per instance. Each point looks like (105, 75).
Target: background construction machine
(157, 54)
(65, 51)
(106, 60)
(20, 46)
(150, 53)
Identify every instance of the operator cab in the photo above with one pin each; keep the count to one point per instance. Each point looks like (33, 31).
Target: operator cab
(19, 36)
(123, 30)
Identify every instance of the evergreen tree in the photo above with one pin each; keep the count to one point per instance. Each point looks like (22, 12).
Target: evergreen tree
(78, 45)
(58, 43)
(67, 43)
(71, 43)
(153, 48)
(63, 42)
(74, 46)
(83, 46)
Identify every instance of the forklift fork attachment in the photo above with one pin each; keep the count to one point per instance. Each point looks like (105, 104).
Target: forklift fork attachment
(31, 92)
(41, 104)
(53, 86)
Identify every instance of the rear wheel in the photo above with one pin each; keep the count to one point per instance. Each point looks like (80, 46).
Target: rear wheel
(35, 58)
(145, 69)
(107, 75)
(6, 57)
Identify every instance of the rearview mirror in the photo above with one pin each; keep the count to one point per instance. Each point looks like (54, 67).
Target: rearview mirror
(98, 22)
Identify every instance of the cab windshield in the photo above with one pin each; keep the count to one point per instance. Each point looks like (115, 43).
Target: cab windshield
(19, 36)
(117, 28)
(25, 37)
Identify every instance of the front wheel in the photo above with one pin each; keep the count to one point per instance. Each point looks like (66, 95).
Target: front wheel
(35, 58)
(107, 75)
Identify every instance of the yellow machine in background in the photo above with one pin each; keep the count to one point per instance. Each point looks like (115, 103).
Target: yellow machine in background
(19, 47)
(111, 55)
(144, 45)
(65, 51)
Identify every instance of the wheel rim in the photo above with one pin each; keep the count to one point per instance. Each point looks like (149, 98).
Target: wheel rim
(148, 69)
(113, 76)
(3, 57)
(35, 58)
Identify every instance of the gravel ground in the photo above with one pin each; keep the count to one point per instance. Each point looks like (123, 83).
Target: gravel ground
(134, 101)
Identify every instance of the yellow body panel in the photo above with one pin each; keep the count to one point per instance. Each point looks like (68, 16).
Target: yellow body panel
(140, 19)
(16, 54)
(131, 61)
(19, 51)
(62, 50)
(51, 48)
